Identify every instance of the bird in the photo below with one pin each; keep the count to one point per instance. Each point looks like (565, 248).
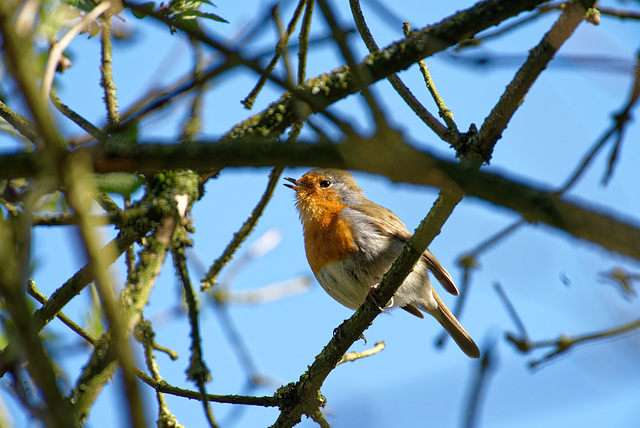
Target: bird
(350, 243)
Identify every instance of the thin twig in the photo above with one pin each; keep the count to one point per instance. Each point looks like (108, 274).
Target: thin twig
(511, 310)
(303, 38)
(22, 125)
(484, 141)
(280, 49)
(162, 386)
(340, 37)
(106, 71)
(485, 368)
(36, 294)
(443, 111)
(146, 336)
(94, 131)
(618, 126)
(622, 118)
(352, 356)
(192, 123)
(564, 343)
(402, 90)
(130, 255)
(68, 219)
(494, 239)
(55, 53)
(240, 348)
(198, 370)
(241, 235)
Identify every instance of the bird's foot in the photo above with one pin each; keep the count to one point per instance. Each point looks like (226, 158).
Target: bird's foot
(374, 299)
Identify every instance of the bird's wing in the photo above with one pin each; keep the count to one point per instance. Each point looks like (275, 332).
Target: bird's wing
(389, 223)
(384, 219)
(440, 272)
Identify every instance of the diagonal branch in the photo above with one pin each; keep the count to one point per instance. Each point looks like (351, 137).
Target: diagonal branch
(324, 90)
(303, 397)
(539, 57)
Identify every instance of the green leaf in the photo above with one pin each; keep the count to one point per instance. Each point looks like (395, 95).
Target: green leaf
(188, 22)
(142, 10)
(123, 183)
(85, 5)
(197, 13)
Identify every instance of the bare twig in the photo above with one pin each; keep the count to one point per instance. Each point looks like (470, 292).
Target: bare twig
(145, 335)
(483, 143)
(511, 310)
(359, 79)
(198, 370)
(443, 111)
(622, 280)
(106, 71)
(485, 368)
(246, 229)
(21, 124)
(57, 48)
(564, 343)
(304, 41)
(617, 128)
(75, 117)
(162, 386)
(402, 90)
(36, 294)
(352, 356)
(280, 49)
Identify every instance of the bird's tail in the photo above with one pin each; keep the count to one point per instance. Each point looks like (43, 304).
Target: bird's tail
(454, 328)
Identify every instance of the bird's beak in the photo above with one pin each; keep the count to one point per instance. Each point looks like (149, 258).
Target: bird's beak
(296, 185)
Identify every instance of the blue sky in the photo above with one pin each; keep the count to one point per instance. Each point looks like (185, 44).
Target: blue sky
(551, 279)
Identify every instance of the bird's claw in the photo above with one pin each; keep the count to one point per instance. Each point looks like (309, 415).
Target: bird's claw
(374, 299)
(338, 332)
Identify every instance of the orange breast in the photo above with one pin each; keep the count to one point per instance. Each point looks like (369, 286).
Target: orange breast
(327, 236)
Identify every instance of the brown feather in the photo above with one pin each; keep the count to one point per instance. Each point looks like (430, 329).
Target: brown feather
(386, 221)
(453, 327)
(413, 311)
(440, 272)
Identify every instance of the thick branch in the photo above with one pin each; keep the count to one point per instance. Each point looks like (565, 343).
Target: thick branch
(303, 397)
(324, 90)
(320, 92)
(392, 158)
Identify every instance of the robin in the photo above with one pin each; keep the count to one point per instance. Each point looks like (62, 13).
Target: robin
(351, 242)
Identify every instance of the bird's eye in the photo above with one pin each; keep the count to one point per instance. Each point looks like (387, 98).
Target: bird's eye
(325, 183)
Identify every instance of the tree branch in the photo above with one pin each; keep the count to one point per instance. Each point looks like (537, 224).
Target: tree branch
(135, 295)
(324, 90)
(539, 57)
(393, 158)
